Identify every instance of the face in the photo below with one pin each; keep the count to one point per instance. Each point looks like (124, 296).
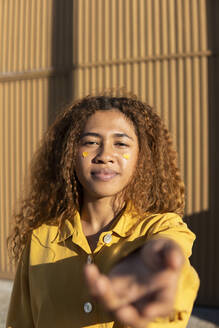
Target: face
(107, 154)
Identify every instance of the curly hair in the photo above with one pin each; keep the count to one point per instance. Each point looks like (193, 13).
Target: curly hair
(54, 191)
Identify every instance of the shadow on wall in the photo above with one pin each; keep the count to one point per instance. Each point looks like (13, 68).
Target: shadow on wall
(60, 84)
(206, 225)
(207, 314)
(198, 223)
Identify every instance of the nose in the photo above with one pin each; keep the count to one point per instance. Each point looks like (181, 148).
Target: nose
(104, 155)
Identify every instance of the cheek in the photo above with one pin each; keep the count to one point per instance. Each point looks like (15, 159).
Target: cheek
(126, 156)
(129, 161)
(82, 162)
(84, 154)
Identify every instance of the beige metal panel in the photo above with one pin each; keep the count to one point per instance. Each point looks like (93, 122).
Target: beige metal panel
(148, 27)
(127, 29)
(157, 29)
(121, 22)
(172, 26)
(22, 123)
(203, 27)
(181, 116)
(26, 33)
(164, 27)
(24, 118)
(196, 135)
(204, 129)
(187, 25)
(173, 110)
(195, 29)
(179, 26)
(101, 20)
(113, 28)
(189, 135)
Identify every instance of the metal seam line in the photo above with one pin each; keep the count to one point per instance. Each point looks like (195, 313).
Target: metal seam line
(34, 74)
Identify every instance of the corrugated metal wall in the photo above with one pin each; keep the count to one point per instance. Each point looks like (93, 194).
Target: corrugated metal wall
(23, 99)
(205, 223)
(57, 50)
(31, 81)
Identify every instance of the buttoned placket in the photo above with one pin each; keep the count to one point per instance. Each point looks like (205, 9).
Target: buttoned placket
(88, 306)
(104, 239)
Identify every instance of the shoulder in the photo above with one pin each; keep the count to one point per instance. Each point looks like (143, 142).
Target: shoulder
(161, 221)
(168, 225)
(155, 222)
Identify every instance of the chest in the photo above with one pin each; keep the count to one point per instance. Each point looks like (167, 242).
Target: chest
(57, 283)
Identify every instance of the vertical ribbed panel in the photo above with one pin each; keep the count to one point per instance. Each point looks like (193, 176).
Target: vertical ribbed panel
(24, 38)
(52, 51)
(158, 50)
(23, 119)
(34, 79)
(26, 35)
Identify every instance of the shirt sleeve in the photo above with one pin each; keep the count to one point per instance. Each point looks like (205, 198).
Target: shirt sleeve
(19, 313)
(171, 226)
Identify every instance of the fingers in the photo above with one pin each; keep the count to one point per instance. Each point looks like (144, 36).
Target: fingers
(160, 300)
(161, 306)
(101, 287)
(129, 316)
(157, 302)
(92, 275)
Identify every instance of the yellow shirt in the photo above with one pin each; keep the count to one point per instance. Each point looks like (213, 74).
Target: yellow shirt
(49, 288)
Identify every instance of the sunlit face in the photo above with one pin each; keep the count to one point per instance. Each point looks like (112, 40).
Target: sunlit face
(107, 154)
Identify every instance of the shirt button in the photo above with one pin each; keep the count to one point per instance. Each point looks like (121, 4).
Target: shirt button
(89, 259)
(88, 307)
(107, 238)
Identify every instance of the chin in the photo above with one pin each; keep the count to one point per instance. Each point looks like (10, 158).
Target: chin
(103, 193)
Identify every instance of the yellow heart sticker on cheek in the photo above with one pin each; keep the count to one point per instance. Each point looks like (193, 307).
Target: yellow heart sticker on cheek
(85, 154)
(126, 156)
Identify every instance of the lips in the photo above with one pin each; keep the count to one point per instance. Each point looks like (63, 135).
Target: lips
(104, 174)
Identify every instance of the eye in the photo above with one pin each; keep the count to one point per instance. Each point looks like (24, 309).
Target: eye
(121, 144)
(90, 143)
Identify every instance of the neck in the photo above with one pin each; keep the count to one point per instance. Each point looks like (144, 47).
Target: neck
(96, 214)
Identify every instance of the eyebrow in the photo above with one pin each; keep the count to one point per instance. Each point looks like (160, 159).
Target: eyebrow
(90, 134)
(97, 135)
(121, 135)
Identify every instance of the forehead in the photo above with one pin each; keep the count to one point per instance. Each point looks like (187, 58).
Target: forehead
(108, 120)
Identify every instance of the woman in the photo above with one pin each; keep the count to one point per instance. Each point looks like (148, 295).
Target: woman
(100, 239)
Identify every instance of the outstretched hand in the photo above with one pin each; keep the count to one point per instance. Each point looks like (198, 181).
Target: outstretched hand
(142, 286)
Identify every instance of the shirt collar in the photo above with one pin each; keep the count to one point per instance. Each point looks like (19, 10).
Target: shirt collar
(67, 229)
(123, 226)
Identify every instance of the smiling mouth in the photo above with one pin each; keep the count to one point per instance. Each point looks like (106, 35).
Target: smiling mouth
(104, 174)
